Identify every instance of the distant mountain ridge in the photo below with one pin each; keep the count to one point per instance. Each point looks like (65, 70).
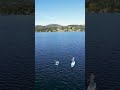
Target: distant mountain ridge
(53, 25)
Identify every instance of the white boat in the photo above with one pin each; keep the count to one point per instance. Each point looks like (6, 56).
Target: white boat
(56, 62)
(73, 62)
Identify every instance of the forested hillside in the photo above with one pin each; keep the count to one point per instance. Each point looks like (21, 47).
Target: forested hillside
(19, 7)
(103, 6)
(59, 28)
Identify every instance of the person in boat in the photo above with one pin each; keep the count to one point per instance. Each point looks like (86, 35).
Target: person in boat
(73, 62)
(92, 84)
(56, 62)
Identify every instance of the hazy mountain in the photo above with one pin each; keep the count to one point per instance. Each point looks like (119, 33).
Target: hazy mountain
(53, 25)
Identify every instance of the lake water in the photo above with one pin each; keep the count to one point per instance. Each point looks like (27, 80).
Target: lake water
(103, 50)
(61, 46)
(17, 58)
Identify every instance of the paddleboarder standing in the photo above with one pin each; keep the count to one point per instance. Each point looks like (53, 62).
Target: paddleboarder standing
(92, 84)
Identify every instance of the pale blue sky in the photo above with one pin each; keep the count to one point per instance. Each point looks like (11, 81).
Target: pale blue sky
(63, 12)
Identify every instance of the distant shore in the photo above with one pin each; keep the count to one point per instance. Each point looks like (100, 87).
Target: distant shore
(59, 28)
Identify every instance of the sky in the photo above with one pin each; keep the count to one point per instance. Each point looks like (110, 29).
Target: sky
(63, 12)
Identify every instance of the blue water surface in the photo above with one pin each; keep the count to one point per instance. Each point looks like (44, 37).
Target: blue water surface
(61, 46)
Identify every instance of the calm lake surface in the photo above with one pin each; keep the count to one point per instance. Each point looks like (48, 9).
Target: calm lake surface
(17, 58)
(61, 46)
(102, 54)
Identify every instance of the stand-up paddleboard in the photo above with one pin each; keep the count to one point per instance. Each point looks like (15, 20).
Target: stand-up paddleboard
(92, 87)
(56, 62)
(73, 62)
(92, 84)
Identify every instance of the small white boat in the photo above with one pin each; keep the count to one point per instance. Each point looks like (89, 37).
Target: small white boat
(73, 62)
(56, 62)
